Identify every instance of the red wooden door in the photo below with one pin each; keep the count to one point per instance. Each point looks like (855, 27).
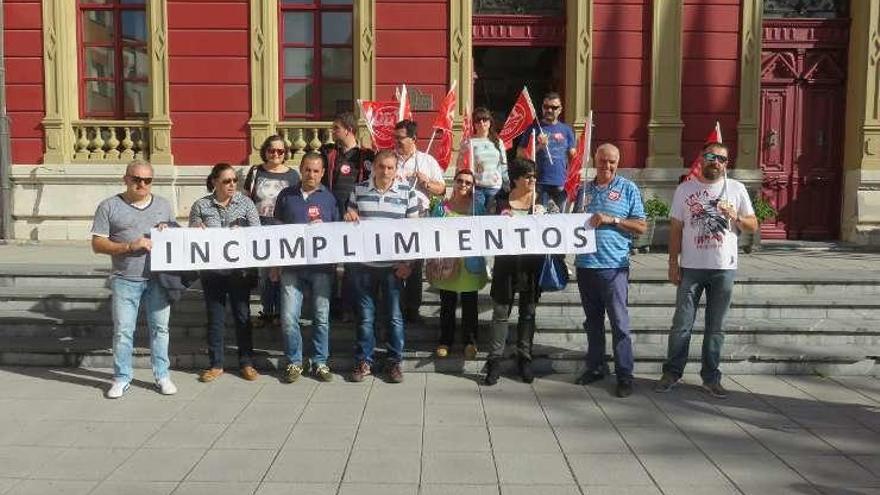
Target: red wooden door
(802, 109)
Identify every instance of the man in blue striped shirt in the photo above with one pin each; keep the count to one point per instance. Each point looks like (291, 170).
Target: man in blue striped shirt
(383, 195)
(603, 276)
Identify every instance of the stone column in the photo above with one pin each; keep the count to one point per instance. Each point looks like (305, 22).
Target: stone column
(60, 86)
(578, 61)
(860, 215)
(665, 125)
(264, 74)
(749, 85)
(160, 113)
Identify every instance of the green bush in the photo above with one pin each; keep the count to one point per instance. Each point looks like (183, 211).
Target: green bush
(656, 208)
(763, 209)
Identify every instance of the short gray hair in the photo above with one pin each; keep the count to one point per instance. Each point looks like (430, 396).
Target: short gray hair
(138, 162)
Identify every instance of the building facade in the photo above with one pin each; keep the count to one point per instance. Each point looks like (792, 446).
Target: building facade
(794, 85)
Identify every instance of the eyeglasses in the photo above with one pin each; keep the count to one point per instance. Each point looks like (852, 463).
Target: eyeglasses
(276, 151)
(528, 177)
(226, 182)
(462, 182)
(145, 180)
(482, 119)
(552, 107)
(714, 157)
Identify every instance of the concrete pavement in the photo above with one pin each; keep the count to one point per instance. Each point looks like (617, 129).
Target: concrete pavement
(435, 434)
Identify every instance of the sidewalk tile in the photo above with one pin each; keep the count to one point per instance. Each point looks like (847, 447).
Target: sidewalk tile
(869, 462)
(129, 435)
(319, 466)
(212, 411)
(382, 466)
(379, 489)
(232, 465)
(277, 413)
(350, 394)
(307, 437)
(215, 488)
(608, 470)
(186, 434)
(670, 469)
(526, 468)
(622, 489)
(332, 413)
(757, 469)
(272, 488)
(850, 441)
(456, 439)
(459, 468)
(393, 413)
(591, 440)
(832, 471)
(135, 488)
(82, 464)
(788, 440)
(56, 487)
(253, 436)
(523, 439)
(167, 464)
(657, 440)
(20, 462)
(387, 437)
(454, 414)
(542, 489)
(444, 489)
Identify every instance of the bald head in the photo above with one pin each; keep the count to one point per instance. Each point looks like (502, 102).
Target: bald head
(606, 160)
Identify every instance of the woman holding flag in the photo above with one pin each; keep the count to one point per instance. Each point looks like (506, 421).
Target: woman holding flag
(490, 158)
(465, 278)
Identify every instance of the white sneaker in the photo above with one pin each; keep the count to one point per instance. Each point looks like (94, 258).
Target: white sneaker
(118, 389)
(166, 386)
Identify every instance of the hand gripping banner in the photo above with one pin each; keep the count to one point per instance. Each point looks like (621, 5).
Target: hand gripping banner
(370, 241)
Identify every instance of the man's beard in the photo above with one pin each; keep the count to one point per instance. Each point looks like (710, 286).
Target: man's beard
(711, 172)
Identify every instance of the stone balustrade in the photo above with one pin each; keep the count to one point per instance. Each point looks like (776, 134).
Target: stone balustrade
(110, 141)
(302, 137)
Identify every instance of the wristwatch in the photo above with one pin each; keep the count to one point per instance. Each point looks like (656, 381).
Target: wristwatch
(616, 221)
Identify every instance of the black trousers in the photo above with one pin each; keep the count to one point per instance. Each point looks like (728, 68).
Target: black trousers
(448, 303)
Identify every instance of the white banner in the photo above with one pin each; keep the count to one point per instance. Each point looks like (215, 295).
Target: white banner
(370, 240)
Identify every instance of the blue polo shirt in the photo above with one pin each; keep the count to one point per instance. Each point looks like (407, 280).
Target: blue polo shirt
(560, 139)
(292, 207)
(620, 198)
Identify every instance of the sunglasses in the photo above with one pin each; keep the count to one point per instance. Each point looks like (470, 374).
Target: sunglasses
(276, 151)
(482, 119)
(552, 107)
(226, 182)
(145, 180)
(462, 182)
(712, 157)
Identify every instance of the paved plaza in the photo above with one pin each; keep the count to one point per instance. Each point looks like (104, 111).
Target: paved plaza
(435, 434)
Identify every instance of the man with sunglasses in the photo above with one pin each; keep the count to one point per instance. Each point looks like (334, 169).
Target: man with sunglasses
(555, 144)
(121, 229)
(707, 216)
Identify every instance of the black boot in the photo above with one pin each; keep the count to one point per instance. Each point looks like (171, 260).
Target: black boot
(493, 371)
(525, 370)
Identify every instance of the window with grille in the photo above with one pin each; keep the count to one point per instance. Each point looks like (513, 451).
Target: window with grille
(114, 66)
(316, 58)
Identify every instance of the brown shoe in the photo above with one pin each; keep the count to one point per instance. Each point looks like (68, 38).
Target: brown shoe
(211, 374)
(249, 373)
(395, 373)
(361, 371)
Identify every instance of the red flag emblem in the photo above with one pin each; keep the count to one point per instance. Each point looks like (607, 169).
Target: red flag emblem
(519, 119)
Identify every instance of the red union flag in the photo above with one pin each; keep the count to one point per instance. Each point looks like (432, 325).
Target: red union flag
(404, 111)
(580, 159)
(443, 128)
(696, 170)
(465, 150)
(381, 117)
(520, 118)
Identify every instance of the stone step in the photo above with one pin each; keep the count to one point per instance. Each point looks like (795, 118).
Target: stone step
(741, 359)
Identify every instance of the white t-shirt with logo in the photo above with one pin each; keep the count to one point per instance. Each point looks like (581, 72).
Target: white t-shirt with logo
(709, 239)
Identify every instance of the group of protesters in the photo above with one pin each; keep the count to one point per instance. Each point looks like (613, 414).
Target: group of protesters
(344, 181)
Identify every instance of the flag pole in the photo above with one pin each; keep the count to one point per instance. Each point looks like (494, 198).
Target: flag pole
(538, 123)
(588, 145)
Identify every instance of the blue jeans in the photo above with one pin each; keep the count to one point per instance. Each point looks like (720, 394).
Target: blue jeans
(718, 285)
(367, 282)
(484, 195)
(607, 290)
(126, 300)
(293, 282)
(217, 287)
(556, 193)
